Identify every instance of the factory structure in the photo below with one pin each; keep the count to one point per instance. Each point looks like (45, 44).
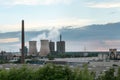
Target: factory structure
(113, 54)
(61, 46)
(52, 46)
(49, 47)
(46, 47)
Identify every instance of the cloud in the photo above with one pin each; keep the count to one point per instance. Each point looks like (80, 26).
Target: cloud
(9, 40)
(104, 5)
(41, 36)
(104, 45)
(10, 27)
(33, 2)
(48, 24)
(91, 45)
(53, 34)
(112, 42)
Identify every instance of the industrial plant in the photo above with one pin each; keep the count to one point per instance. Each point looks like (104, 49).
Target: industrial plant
(46, 47)
(61, 45)
(55, 53)
(60, 40)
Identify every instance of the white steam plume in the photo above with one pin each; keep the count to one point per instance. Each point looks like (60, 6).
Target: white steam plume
(53, 35)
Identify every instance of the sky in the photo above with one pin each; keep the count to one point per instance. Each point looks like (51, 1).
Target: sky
(45, 14)
(49, 14)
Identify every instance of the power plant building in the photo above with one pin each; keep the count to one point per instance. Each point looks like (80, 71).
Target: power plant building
(61, 46)
(32, 48)
(113, 53)
(52, 47)
(44, 50)
(25, 51)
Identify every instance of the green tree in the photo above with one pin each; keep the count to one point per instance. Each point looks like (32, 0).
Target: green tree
(107, 75)
(3, 74)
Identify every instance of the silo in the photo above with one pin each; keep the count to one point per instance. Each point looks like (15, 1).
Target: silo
(32, 48)
(44, 50)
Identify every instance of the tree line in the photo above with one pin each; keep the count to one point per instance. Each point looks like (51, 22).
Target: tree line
(56, 72)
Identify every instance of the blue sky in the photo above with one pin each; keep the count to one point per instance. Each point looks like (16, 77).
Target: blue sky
(45, 14)
(49, 14)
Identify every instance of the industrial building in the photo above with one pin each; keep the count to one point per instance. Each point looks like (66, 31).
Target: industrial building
(113, 54)
(61, 46)
(5, 56)
(46, 47)
(25, 51)
(52, 47)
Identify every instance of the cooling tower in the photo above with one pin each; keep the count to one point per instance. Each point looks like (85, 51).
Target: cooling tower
(44, 50)
(32, 48)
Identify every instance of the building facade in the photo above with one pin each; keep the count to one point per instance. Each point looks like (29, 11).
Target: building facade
(61, 46)
(25, 51)
(52, 47)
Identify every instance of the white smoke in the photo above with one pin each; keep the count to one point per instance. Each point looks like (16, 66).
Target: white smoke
(41, 36)
(53, 35)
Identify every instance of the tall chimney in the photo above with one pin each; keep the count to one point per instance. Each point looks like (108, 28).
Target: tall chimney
(23, 43)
